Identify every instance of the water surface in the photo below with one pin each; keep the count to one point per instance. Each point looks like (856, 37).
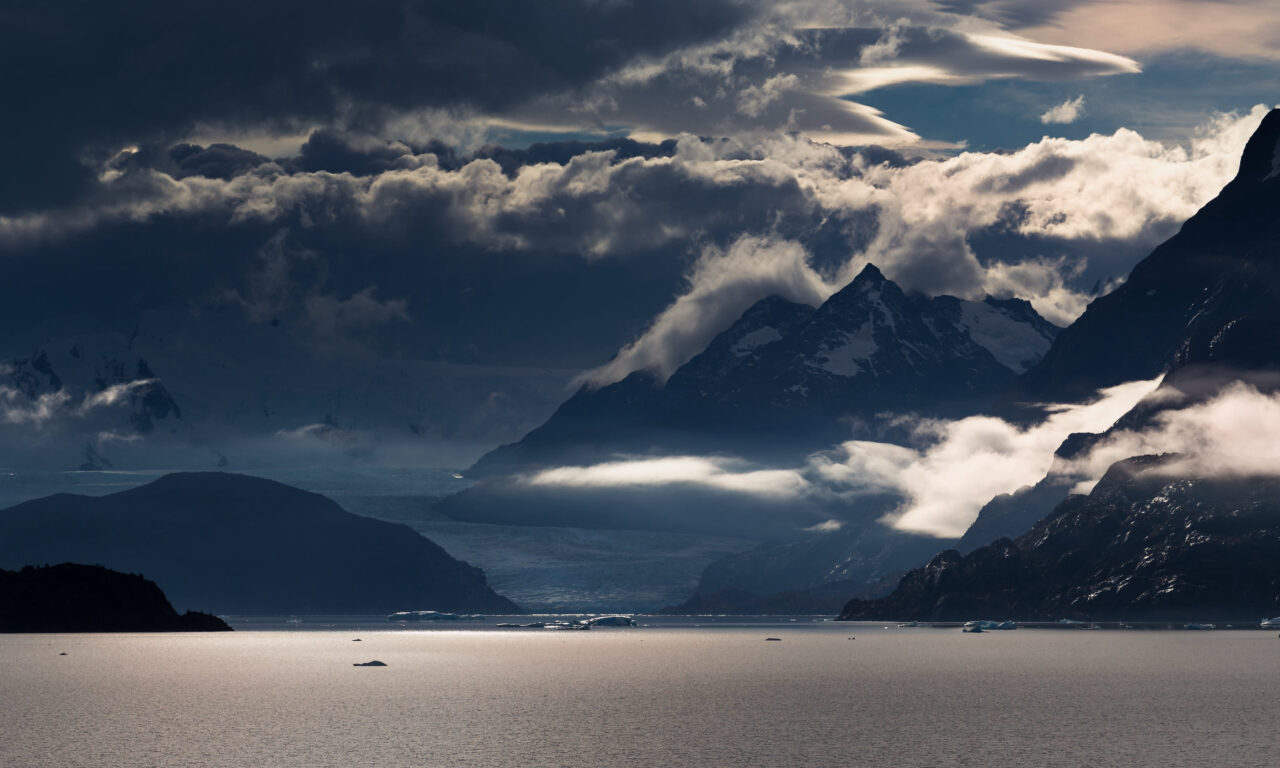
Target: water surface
(652, 696)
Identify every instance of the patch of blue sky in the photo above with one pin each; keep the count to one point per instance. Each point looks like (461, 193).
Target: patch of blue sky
(1173, 94)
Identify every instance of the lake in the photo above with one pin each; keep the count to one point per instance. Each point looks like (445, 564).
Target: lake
(678, 693)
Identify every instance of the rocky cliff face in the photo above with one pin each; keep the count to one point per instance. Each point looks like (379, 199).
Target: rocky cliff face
(1147, 543)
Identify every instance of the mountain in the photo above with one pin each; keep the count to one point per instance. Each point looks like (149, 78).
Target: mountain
(1012, 514)
(85, 398)
(1201, 309)
(826, 598)
(1209, 294)
(90, 598)
(243, 545)
(1149, 542)
(821, 562)
(786, 378)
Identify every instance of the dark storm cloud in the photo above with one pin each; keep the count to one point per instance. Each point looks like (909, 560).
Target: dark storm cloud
(84, 77)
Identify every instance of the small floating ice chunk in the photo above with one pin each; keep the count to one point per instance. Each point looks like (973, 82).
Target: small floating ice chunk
(613, 620)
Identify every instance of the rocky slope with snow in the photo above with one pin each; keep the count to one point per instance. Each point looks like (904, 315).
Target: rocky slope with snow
(1201, 309)
(1148, 543)
(787, 378)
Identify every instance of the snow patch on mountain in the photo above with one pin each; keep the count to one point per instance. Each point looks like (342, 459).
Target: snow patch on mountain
(754, 339)
(1015, 343)
(849, 357)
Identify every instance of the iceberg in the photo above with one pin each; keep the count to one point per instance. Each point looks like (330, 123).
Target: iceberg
(616, 620)
(985, 624)
(568, 625)
(432, 616)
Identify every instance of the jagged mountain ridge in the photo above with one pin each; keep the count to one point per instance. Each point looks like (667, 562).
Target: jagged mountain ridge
(1144, 544)
(1203, 308)
(1208, 294)
(786, 374)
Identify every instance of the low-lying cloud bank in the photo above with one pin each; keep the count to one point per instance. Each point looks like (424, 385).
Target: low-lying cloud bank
(1235, 433)
(708, 472)
(965, 463)
(958, 466)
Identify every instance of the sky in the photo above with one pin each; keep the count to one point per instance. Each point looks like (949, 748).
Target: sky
(403, 232)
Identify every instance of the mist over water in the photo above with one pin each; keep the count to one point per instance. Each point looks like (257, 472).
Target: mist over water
(683, 696)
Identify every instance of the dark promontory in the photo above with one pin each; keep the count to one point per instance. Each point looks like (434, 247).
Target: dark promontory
(90, 598)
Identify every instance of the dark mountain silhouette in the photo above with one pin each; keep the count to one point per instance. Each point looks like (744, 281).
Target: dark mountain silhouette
(1202, 309)
(1209, 294)
(235, 544)
(1149, 542)
(90, 598)
(864, 559)
(786, 378)
(782, 381)
(826, 598)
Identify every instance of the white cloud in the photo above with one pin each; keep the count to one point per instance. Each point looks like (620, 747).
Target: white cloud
(1235, 433)
(963, 464)
(723, 284)
(112, 395)
(1066, 112)
(1044, 279)
(753, 100)
(1229, 28)
(59, 406)
(716, 473)
(967, 462)
(827, 51)
(327, 436)
(16, 408)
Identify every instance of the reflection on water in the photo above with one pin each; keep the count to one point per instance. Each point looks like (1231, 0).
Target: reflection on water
(662, 696)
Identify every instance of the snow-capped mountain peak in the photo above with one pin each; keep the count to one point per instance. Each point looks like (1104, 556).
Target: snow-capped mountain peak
(787, 372)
